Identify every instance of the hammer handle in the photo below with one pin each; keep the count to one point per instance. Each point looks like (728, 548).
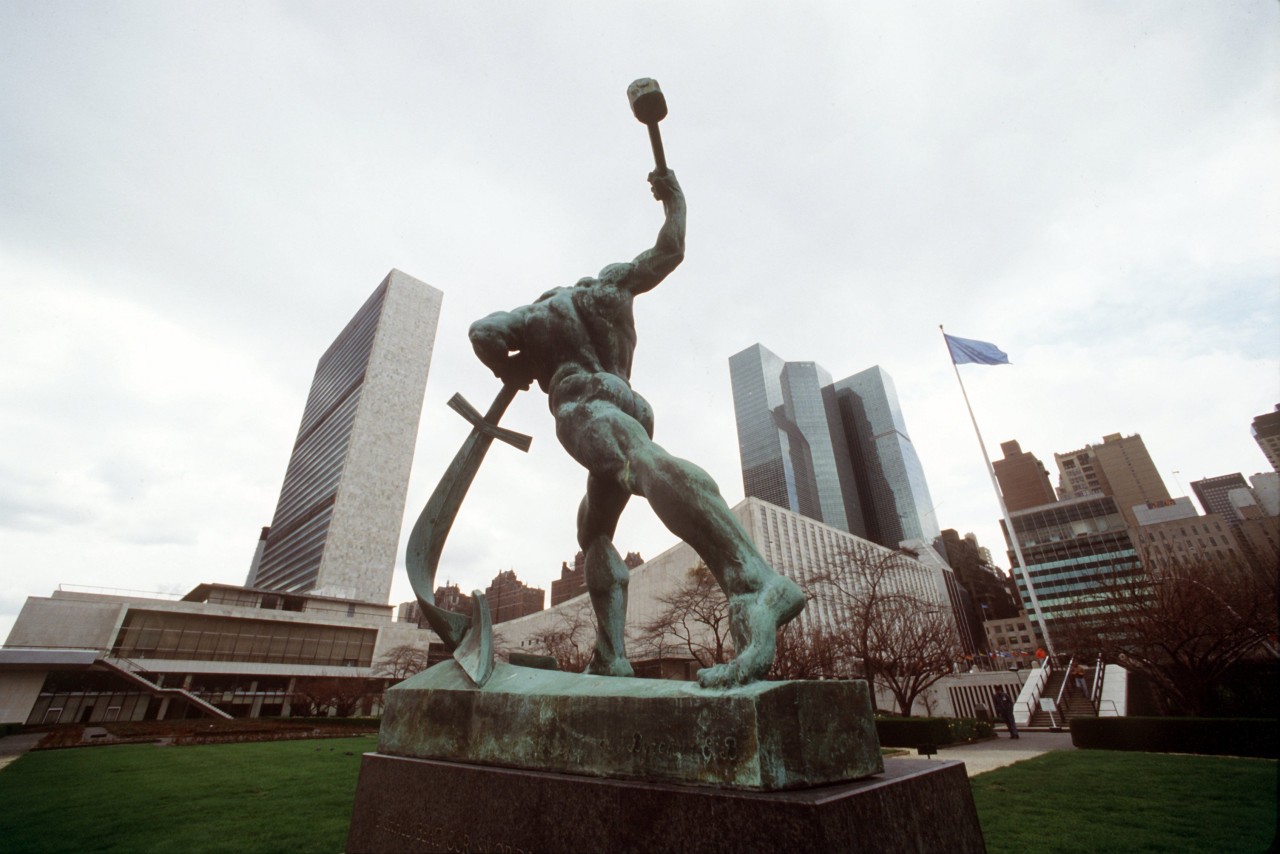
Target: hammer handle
(655, 139)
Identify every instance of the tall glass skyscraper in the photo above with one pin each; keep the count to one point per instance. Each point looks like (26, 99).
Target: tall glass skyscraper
(337, 524)
(783, 435)
(889, 477)
(835, 452)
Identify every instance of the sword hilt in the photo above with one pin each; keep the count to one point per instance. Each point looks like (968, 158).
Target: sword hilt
(487, 424)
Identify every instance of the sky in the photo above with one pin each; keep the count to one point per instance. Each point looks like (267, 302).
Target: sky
(196, 197)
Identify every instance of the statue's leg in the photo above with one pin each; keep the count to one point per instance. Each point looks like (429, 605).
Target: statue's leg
(607, 575)
(688, 502)
(618, 450)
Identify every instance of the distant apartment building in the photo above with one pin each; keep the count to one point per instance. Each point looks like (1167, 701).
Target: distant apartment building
(1024, 481)
(836, 452)
(1013, 636)
(1171, 535)
(986, 587)
(509, 597)
(1214, 493)
(1266, 432)
(573, 579)
(1119, 467)
(336, 526)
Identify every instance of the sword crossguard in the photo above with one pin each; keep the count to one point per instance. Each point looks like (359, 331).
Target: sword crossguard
(517, 440)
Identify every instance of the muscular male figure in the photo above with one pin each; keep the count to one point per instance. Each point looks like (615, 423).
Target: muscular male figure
(577, 343)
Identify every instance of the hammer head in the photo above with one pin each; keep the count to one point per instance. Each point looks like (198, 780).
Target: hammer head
(647, 101)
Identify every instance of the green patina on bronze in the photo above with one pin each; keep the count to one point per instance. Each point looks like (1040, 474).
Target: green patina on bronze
(577, 344)
(765, 736)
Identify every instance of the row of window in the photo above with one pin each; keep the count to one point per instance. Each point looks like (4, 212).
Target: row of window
(151, 634)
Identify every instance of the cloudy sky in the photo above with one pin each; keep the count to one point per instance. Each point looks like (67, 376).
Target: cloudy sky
(195, 197)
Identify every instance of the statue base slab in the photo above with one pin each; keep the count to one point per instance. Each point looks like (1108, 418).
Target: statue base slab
(418, 805)
(766, 736)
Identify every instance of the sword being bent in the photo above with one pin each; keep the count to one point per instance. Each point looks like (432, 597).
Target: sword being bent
(470, 639)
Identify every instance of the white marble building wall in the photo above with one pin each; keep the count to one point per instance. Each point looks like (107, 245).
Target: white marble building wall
(364, 532)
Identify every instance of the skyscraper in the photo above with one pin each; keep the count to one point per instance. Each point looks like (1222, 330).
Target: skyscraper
(1119, 467)
(337, 524)
(890, 481)
(784, 438)
(837, 452)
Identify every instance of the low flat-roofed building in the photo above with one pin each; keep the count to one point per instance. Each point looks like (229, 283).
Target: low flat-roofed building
(82, 655)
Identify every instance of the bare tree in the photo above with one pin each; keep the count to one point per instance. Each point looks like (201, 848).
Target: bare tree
(344, 697)
(904, 639)
(913, 645)
(1182, 623)
(694, 619)
(570, 639)
(401, 662)
(809, 651)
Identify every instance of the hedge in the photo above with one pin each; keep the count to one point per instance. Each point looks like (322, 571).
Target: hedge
(1210, 736)
(913, 732)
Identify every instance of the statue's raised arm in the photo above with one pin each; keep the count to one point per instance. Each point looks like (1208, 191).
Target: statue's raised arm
(653, 265)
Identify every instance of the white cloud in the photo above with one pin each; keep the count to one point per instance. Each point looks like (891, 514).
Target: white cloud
(198, 197)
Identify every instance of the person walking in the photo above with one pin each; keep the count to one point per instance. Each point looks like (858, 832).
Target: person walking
(1004, 709)
(1078, 674)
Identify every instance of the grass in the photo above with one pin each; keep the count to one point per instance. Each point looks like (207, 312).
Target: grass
(296, 796)
(293, 796)
(1102, 800)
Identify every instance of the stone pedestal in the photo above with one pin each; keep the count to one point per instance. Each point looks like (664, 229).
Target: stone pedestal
(763, 736)
(418, 805)
(538, 760)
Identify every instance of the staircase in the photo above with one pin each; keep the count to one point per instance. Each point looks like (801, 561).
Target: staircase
(1070, 702)
(134, 672)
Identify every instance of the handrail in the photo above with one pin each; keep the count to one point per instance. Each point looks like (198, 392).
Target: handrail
(132, 668)
(1095, 693)
(1031, 689)
(1066, 680)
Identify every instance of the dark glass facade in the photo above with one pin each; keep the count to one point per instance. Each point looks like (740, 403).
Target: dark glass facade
(783, 437)
(895, 499)
(206, 637)
(835, 452)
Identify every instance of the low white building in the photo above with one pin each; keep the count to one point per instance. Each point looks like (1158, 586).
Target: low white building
(799, 547)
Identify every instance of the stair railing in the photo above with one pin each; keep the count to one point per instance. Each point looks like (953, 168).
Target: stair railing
(1066, 680)
(1029, 696)
(1095, 692)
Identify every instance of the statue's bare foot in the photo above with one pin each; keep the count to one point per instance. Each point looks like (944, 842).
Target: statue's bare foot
(755, 618)
(614, 666)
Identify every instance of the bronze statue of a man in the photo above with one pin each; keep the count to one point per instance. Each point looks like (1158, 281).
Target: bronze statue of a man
(578, 343)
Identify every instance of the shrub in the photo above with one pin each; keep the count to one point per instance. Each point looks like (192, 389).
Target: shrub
(1210, 736)
(970, 729)
(912, 732)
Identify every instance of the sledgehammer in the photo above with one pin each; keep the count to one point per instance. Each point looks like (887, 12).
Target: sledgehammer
(650, 107)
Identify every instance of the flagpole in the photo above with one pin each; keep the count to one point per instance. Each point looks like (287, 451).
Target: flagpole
(1004, 511)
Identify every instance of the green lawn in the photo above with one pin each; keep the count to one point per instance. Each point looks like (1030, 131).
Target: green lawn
(296, 796)
(280, 796)
(1102, 800)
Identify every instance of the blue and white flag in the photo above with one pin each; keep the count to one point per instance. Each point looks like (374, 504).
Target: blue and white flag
(967, 351)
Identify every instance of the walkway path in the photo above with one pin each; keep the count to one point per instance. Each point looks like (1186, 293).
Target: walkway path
(984, 756)
(13, 746)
